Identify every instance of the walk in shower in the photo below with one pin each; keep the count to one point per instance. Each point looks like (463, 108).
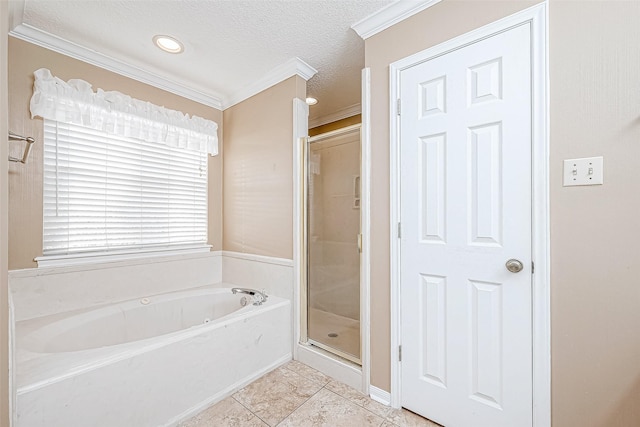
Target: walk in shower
(334, 242)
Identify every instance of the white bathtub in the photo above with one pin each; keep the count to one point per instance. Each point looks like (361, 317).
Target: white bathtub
(150, 362)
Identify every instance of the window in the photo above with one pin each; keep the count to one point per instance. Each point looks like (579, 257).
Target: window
(106, 193)
(121, 176)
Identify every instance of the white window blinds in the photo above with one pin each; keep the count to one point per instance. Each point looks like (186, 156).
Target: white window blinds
(106, 193)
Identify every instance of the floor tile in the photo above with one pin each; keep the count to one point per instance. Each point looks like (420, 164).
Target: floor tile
(226, 413)
(327, 409)
(277, 394)
(404, 418)
(358, 398)
(307, 372)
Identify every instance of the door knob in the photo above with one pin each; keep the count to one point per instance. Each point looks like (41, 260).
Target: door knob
(514, 266)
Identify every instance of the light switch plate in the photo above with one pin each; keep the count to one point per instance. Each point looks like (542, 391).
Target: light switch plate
(587, 171)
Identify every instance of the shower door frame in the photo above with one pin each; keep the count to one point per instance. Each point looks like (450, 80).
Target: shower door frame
(357, 377)
(304, 336)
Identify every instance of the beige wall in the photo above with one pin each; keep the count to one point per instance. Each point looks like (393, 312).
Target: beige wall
(25, 181)
(338, 124)
(4, 192)
(258, 171)
(439, 23)
(595, 110)
(595, 256)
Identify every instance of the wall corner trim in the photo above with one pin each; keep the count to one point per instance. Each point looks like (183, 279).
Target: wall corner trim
(16, 13)
(390, 15)
(49, 41)
(379, 395)
(294, 66)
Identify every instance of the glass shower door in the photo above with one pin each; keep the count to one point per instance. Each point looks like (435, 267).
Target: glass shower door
(333, 232)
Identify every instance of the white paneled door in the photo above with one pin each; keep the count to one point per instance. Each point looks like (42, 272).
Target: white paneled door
(465, 210)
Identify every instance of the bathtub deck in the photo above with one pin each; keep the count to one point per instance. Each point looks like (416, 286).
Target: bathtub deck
(153, 382)
(296, 395)
(35, 370)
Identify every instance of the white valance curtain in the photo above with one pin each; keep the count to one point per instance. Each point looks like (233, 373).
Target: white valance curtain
(75, 102)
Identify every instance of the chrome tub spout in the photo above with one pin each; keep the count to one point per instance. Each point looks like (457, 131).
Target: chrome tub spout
(258, 296)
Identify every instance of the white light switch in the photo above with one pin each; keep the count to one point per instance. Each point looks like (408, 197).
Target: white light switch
(587, 171)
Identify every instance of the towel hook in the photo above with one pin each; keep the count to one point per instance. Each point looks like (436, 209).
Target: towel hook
(27, 148)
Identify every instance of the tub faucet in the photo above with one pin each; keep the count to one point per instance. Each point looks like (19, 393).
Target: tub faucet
(258, 297)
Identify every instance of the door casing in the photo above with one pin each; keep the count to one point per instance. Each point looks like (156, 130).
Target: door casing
(538, 17)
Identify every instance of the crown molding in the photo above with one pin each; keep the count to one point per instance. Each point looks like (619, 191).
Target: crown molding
(294, 66)
(26, 32)
(390, 15)
(340, 114)
(57, 44)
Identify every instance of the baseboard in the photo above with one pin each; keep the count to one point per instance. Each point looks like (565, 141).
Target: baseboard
(194, 410)
(13, 396)
(379, 395)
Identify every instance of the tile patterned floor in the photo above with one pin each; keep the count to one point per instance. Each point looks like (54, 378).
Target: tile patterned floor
(296, 395)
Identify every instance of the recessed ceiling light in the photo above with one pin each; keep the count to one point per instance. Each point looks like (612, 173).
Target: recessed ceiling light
(312, 101)
(168, 44)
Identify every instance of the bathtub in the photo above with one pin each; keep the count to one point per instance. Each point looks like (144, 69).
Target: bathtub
(151, 362)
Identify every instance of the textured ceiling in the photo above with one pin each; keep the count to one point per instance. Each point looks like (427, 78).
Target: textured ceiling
(229, 44)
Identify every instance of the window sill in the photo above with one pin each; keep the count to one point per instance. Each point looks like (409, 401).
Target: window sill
(105, 257)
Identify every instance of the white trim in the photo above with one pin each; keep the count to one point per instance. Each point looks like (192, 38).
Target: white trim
(330, 365)
(259, 258)
(294, 66)
(380, 396)
(394, 219)
(300, 131)
(343, 113)
(13, 364)
(106, 257)
(365, 229)
(158, 258)
(44, 39)
(390, 15)
(541, 219)
(537, 16)
(7, 315)
(16, 13)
